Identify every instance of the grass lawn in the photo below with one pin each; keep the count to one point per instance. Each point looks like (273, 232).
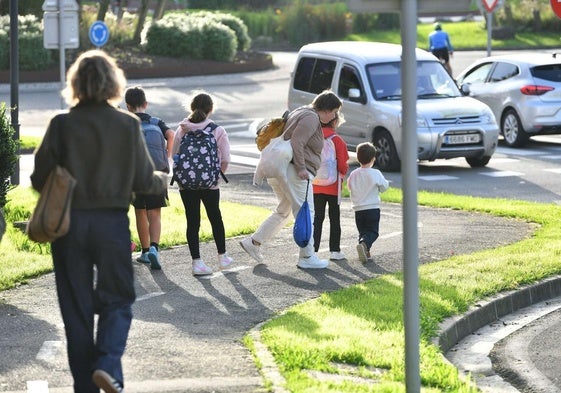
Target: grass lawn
(467, 36)
(359, 330)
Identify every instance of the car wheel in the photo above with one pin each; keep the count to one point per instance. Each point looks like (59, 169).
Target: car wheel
(478, 162)
(387, 159)
(512, 130)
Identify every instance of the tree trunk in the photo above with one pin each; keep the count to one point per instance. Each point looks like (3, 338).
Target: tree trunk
(159, 11)
(537, 19)
(142, 12)
(103, 7)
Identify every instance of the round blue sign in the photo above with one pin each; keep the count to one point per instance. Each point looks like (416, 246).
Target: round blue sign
(99, 33)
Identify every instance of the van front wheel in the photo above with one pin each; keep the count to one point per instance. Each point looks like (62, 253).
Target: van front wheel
(387, 159)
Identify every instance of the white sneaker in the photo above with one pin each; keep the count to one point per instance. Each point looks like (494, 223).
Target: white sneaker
(251, 249)
(224, 261)
(312, 262)
(200, 269)
(337, 256)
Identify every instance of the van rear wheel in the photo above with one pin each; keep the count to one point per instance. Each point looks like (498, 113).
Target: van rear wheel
(387, 159)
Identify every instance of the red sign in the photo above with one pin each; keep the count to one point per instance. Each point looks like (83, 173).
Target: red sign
(491, 4)
(556, 6)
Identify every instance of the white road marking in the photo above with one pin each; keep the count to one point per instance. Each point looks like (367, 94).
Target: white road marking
(438, 177)
(37, 387)
(501, 174)
(149, 296)
(49, 350)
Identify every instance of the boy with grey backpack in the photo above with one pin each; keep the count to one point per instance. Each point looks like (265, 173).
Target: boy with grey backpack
(147, 208)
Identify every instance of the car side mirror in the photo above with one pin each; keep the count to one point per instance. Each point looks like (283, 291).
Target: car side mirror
(464, 88)
(354, 96)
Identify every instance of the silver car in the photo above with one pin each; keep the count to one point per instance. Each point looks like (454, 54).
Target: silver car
(522, 90)
(367, 77)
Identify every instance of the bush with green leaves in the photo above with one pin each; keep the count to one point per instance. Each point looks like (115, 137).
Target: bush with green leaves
(233, 22)
(182, 35)
(25, 7)
(8, 153)
(32, 55)
(303, 22)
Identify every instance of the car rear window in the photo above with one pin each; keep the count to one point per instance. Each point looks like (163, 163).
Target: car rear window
(314, 75)
(549, 72)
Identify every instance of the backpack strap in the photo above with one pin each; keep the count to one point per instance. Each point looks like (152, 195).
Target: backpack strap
(213, 126)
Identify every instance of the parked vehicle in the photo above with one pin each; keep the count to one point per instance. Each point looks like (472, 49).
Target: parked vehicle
(367, 77)
(522, 90)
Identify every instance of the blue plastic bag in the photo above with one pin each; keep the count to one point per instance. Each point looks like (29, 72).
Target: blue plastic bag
(302, 231)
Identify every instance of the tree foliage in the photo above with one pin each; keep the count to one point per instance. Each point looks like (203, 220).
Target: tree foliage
(8, 153)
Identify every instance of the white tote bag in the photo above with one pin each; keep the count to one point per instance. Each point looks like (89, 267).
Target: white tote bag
(274, 160)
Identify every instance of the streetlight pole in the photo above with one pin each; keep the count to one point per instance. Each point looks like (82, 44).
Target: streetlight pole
(14, 81)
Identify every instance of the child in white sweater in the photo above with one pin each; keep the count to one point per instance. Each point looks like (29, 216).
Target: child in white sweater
(365, 185)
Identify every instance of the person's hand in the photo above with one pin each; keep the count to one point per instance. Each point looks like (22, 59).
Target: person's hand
(303, 174)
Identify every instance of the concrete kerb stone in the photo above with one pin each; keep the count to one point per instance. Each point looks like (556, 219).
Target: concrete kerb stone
(454, 329)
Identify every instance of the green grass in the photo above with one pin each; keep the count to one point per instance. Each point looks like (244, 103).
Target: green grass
(362, 325)
(23, 259)
(467, 36)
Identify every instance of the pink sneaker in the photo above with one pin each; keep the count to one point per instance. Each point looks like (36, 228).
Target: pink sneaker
(224, 261)
(200, 269)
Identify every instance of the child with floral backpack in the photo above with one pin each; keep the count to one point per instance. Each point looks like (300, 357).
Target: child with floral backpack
(199, 121)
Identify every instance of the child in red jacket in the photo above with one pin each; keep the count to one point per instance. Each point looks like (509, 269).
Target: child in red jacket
(327, 187)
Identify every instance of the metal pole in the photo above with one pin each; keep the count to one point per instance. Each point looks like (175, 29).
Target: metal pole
(14, 81)
(409, 172)
(489, 32)
(61, 55)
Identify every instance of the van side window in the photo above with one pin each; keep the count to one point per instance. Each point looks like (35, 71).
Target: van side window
(314, 75)
(349, 79)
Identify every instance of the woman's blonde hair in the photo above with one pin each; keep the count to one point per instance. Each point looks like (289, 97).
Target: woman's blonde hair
(94, 77)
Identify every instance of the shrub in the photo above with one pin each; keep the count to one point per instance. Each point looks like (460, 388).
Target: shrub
(303, 23)
(175, 36)
(32, 55)
(233, 22)
(220, 42)
(8, 153)
(25, 7)
(260, 24)
(181, 35)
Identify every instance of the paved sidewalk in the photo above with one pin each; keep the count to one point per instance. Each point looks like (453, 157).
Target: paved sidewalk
(187, 333)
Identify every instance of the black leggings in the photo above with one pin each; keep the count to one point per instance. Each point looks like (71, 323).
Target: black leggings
(320, 201)
(192, 202)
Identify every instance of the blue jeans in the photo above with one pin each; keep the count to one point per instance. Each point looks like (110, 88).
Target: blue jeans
(97, 238)
(368, 225)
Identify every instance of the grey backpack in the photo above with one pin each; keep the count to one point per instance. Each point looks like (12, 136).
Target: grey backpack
(156, 144)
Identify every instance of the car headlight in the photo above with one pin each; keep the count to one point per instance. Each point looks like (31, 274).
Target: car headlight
(488, 118)
(421, 121)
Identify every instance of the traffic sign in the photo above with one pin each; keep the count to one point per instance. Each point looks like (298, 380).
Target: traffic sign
(556, 6)
(489, 5)
(99, 33)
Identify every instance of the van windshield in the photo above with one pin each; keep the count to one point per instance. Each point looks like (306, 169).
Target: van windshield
(432, 81)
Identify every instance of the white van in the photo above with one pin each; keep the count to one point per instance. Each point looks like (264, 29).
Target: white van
(367, 77)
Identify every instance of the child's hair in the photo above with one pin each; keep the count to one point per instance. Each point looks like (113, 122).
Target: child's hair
(135, 97)
(366, 152)
(201, 106)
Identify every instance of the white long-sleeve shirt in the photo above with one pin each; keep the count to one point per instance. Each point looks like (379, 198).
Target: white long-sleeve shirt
(365, 186)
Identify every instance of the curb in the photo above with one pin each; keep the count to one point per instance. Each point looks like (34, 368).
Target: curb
(454, 329)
